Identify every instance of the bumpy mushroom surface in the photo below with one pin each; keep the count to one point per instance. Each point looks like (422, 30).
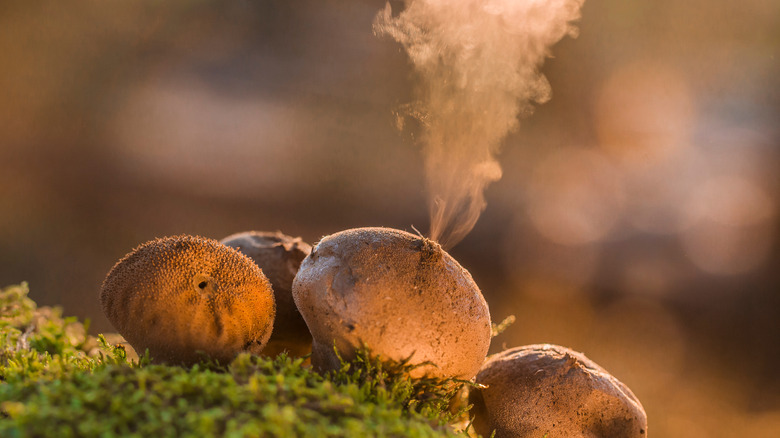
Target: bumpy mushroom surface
(185, 296)
(549, 390)
(279, 256)
(396, 293)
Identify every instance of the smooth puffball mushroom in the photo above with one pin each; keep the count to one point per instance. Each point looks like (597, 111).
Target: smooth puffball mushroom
(398, 294)
(185, 296)
(279, 256)
(549, 390)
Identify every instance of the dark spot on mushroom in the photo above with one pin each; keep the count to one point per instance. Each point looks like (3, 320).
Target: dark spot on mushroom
(219, 327)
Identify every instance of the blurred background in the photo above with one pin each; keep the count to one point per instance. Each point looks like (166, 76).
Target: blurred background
(638, 218)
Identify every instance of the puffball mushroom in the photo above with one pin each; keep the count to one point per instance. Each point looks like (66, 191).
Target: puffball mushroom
(398, 294)
(549, 390)
(279, 256)
(185, 296)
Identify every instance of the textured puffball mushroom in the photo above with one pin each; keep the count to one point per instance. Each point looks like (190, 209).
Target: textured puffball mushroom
(185, 296)
(279, 256)
(549, 390)
(398, 294)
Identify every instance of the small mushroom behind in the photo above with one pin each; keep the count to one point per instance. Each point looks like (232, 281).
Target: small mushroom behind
(279, 256)
(549, 390)
(185, 296)
(396, 293)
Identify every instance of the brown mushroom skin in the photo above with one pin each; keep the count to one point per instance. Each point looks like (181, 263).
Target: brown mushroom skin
(396, 293)
(184, 297)
(279, 256)
(548, 389)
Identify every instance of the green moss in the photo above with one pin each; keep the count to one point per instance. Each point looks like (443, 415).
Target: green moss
(58, 381)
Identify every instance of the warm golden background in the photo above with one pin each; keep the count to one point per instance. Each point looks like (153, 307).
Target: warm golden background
(638, 218)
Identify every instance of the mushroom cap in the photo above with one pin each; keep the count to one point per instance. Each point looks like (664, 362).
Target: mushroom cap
(279, 256)
(396, 293)
(548, 389)
(185, 296)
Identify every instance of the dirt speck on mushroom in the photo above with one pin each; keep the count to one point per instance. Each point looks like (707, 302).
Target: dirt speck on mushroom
(279, 256)
(184, 297)
(548, 389)
(400, 295)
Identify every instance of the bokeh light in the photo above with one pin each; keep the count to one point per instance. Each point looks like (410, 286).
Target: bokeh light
(644, 114)
(553, 271)
(575, 197)
(649, 274)
(182, 133)
(734, 232)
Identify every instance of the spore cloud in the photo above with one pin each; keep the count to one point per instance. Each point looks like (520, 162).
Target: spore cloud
(477, 70)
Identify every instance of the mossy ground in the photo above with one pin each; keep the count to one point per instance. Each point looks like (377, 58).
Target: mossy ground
(56, 380)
